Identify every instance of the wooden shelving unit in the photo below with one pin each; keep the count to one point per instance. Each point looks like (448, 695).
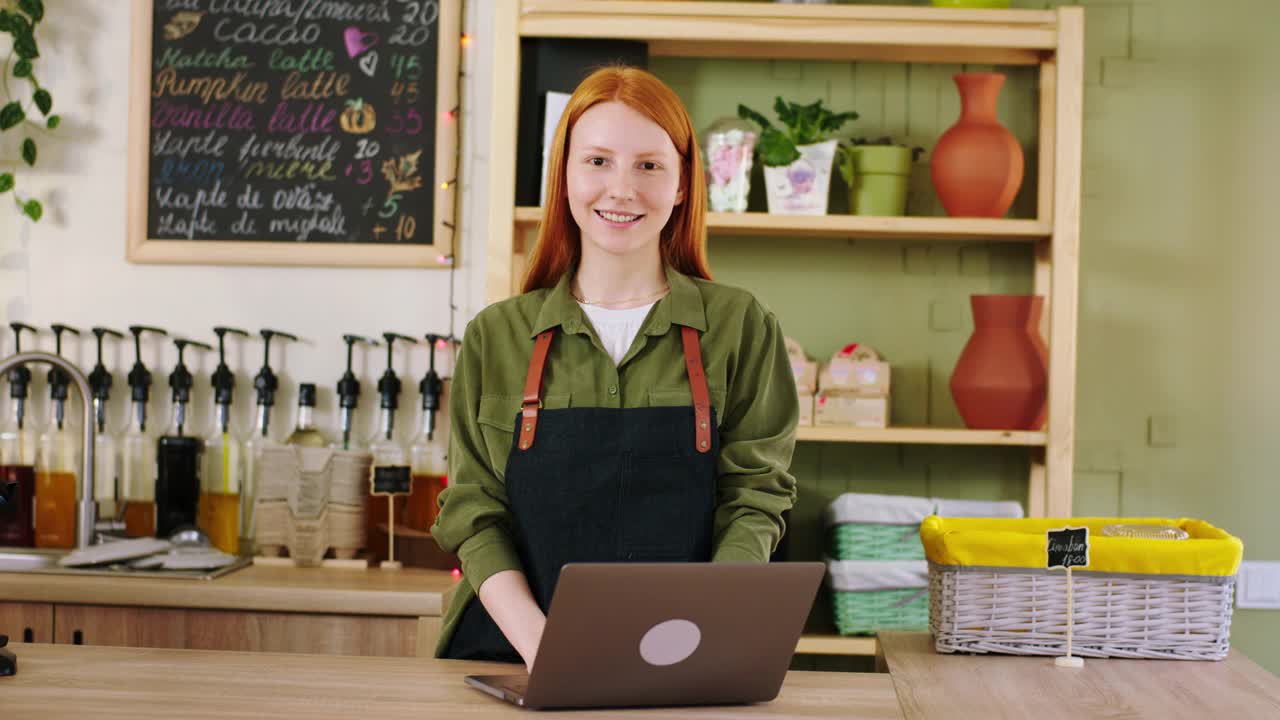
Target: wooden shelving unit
(920, 436)
(1050, 40)
(853, 226)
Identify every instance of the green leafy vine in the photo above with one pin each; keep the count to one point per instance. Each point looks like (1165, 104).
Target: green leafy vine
(19, 18)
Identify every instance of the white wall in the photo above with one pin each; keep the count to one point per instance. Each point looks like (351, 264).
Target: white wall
(70, 267)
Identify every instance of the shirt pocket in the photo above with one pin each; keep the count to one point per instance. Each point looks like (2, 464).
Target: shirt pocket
(497, 419)
(683, 397)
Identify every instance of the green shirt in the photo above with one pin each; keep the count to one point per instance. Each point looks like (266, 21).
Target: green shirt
(749, 378)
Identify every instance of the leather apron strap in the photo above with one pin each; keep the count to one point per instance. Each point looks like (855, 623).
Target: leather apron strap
(533, 389)
(697, 384)
(698, 387)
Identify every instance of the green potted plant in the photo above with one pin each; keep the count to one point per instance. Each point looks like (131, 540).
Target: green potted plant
(19, 19)
(877, 173)
(797, 159)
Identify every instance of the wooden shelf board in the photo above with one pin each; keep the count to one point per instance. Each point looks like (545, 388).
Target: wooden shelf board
(835, 645)
(857, 226)
(811, 32)
(920, 436)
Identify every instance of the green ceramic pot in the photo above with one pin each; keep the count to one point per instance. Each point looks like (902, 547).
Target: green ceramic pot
(882, 174)
(988, 4)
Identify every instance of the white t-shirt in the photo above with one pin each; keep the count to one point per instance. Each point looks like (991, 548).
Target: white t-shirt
(616, 329)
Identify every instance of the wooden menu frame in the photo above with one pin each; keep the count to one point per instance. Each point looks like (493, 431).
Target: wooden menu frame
(439, 253)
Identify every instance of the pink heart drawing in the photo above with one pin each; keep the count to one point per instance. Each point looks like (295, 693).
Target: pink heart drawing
(357, 41)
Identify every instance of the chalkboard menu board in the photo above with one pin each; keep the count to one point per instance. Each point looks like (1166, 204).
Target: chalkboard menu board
(272, 129)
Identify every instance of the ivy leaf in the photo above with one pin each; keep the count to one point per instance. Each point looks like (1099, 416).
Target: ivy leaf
(33, 8)
(44, 101)
(22, 68)
(6, 182)
(24, 41)
(6, 20)
(33, 209)
(54, 121)
(29, 151)
(11, 115)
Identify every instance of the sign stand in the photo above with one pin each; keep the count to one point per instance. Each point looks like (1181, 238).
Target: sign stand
(390, 481)
(1068, 547)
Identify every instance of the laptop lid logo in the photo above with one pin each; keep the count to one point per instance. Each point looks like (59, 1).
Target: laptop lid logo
(670, 642)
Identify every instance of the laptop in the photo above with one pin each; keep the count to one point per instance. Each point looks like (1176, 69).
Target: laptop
(665, 634)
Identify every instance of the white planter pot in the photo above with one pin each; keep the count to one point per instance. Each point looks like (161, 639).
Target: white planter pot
(801, 188)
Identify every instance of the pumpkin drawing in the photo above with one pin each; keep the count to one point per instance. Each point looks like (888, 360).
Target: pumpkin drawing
(359, 117)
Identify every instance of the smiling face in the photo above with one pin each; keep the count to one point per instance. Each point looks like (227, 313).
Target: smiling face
(622, 179)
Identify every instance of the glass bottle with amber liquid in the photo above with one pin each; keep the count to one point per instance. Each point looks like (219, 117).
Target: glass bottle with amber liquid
(390, 459)
(57, 463)
(138, 449)
(222, 477)
(428, 458)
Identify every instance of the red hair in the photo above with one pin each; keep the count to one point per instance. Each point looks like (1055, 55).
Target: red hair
(683, 242)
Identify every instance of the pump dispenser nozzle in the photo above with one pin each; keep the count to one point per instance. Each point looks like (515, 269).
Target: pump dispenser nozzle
(139, 376)
(180, 381)
(100, 379)
(349, 389)
(431, 386)
(265, 381)
(389, 385)
(224, 381)
(20, 376)
(59, 380)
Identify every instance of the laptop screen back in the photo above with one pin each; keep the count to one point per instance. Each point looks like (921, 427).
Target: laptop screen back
(645, 634)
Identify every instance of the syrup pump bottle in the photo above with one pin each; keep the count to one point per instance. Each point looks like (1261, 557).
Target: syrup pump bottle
(17, 436)
(223, 474)
(106, 448)
(57, 463)
(349, 398)
(138, 448)
(178, 455)
(17, 458)
(305, 433)
(266, 384)
(427, 456)
(389, 458)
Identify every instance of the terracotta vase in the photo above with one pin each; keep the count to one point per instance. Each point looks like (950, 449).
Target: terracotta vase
(977, 164)
(1001, 378)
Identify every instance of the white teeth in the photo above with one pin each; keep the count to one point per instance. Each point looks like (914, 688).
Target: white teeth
(616, 217)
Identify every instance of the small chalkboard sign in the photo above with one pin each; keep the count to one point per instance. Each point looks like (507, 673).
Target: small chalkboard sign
(392, 480)
(294, 133)
(1068, 547)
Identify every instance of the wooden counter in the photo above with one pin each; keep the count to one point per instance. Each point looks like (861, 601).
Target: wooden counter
(98, 682)
(930, 685)
(409, 592)
(259, 608)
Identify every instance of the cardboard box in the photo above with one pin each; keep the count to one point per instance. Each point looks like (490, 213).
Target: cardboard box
(851, 410)
(862, 378)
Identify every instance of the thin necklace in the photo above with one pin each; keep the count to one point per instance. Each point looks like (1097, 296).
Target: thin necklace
(650, 296)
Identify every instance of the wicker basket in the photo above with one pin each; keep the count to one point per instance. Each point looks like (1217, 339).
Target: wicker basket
(869, 596)
(879, 579)
(1166, 599)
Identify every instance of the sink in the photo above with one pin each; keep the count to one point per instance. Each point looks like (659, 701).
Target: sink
(23, 561)
(29, 560)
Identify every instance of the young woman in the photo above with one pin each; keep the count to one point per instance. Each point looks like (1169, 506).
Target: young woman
(624, 407)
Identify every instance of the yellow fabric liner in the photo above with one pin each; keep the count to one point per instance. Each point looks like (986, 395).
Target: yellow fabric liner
(1021, 543)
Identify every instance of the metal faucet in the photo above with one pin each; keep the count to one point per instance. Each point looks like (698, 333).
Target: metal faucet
(86, 511)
